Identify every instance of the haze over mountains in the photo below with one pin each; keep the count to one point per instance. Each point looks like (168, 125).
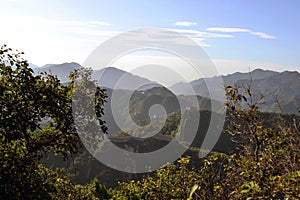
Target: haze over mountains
(274, 86)
(280, 87)
(199, 84)
(106, 77)
(284, 86)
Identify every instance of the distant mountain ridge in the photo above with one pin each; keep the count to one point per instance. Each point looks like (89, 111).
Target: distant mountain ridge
(109, 77)
(277, 86)
(199, 84)
(62, 71)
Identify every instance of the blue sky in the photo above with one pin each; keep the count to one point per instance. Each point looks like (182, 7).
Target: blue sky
(237, 35)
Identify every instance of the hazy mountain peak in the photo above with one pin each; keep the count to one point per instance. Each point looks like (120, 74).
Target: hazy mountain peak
(109, 77)
(114, 69)
(61, 70)
(32, 66)
(61, 64)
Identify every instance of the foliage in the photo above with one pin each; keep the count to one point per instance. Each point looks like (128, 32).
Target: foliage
(266, 166)
(36, 118)
(175, 181)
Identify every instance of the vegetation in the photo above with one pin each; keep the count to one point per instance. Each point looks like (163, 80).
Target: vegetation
(266, 167)
(25, 102)
(37, 121)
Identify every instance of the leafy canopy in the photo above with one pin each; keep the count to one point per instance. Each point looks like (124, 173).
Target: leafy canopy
(35, 118)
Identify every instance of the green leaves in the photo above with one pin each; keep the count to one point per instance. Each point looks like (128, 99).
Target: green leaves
(36, 118)
(266, 166)
(269, 150)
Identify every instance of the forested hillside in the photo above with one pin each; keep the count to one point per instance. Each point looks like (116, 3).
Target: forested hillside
(42, 156)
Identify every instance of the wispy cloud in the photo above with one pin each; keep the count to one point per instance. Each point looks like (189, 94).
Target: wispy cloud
(100, 23)
(228, 30)
(186, 24)
(241, 30)
(67, 22)
(48, 40)
(45, 21)
(263, 35)
(201, 34)
(42, 26)
(99, 32)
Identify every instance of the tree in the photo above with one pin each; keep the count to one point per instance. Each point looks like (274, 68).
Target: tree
(267, 167)
(36, 118)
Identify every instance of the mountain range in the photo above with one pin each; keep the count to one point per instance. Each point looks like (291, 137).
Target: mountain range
(106, 77)
(277, 87)
(274, 85)
(280, 90)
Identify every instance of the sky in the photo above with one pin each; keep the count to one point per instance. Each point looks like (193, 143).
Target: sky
(236, 35)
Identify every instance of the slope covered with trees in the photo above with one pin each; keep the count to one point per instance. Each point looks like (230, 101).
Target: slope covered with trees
(266, 167)
(37, 123)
